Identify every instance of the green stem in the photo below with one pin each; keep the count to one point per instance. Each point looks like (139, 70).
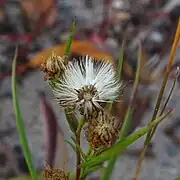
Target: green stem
(165, 105)
(78, 153)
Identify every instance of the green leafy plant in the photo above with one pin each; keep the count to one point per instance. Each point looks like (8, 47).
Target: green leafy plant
(87, 87)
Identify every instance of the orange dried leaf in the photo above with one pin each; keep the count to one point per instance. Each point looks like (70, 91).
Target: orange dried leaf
(81, 47)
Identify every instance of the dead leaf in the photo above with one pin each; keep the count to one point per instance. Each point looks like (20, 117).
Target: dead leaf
(82, 47)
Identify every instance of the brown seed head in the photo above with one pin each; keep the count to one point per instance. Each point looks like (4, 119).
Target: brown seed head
(54, 174)
(101, 130)
(53, 66)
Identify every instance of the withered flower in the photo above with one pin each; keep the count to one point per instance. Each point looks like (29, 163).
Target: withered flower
(53, 66)
(101, 131)
(86, 84)
(54, 174)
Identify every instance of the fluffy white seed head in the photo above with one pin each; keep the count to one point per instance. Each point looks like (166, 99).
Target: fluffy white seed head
(86, 83)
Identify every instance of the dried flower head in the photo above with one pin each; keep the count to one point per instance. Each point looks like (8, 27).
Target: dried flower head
(86, 84)
(53, 66)
(101, 130)
(54, 174)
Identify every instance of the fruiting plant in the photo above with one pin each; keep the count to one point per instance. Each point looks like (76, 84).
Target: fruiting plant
(86, 89)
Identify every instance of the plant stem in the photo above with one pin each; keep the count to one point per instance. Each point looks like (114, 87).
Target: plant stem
(158, 103)
(139, 165)
(166, 102)
(78, 154)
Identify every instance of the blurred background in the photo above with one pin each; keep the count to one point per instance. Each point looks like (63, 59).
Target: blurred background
(40, 27)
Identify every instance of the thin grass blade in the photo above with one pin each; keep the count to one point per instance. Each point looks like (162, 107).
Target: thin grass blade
(120, 61)
(119, 69)
(19, 123)
(71, 144)
(165, 79)
(128, 117)
(159, 99)
(69, 41)
(167, 100)
(71, 119)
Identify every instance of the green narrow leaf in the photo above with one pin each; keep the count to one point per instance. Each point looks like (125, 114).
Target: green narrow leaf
(71, 144)
(121, 145)
(71, 119)
(127, 124)
(120, 61)
(159, 99)
(78, 148)
(19, 123)
(128, 117)
(164, 82)
(178, 178)
(69, 41)
(92, 169)
(119, 69)
(167, 100)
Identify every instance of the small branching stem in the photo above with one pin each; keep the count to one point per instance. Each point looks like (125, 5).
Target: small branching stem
(141, 158)
(158, 103)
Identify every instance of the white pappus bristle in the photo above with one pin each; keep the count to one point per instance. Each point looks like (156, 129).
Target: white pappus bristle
(87, 72)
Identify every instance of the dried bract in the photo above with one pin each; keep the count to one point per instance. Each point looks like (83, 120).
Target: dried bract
(101, 131)
(53, 66)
